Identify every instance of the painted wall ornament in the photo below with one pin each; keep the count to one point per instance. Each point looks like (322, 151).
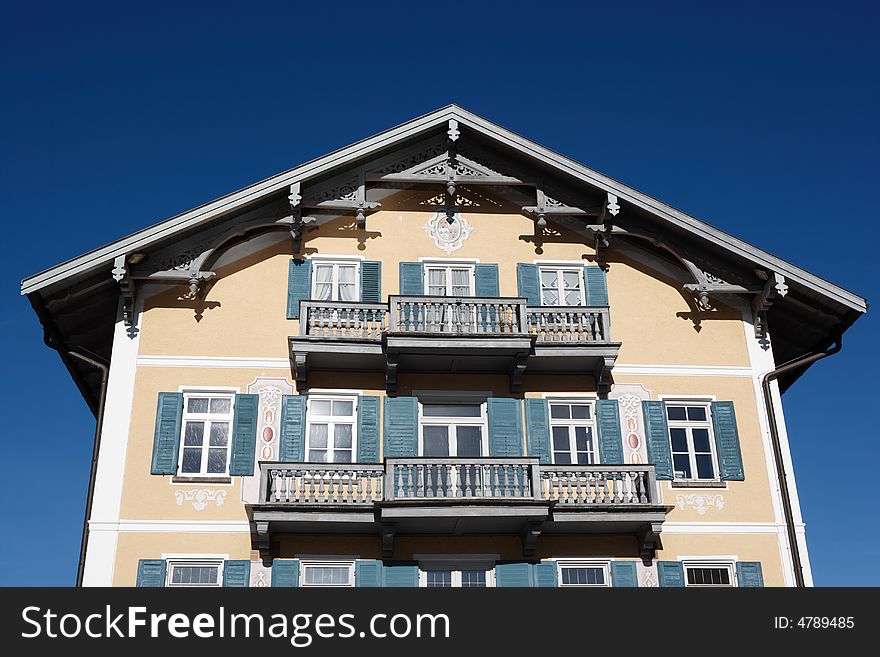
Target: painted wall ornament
(447, 236)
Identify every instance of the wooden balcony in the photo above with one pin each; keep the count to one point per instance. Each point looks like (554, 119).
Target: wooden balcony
(453, 334)
(458, 496)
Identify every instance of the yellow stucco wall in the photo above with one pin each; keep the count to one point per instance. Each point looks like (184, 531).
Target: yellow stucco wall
(245, 316)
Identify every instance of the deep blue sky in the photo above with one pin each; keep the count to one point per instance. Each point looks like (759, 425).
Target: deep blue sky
(761, 121)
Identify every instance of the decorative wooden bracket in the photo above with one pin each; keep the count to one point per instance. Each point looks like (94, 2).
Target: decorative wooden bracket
(122, 276)
(387, 536)
(530, 534)
(775, 288)
(648, 539)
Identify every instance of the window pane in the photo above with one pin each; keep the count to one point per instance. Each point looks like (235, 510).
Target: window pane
(323, 282)
(469, 440)
(461, 282)
(560, 439)
(346, 274)
(194, 575)
(562, 458)
(585, 458)
(220, 405)
(439, 578)
(583, 576)
(549, 298)
(451, 410)
(676, 413)
(437, 278)
(343, 408)
(194, 433)
(583, 439)
(682, 465)
(696, 413)
(347, 292)
(701, 440)
(679, 440)
(317, 456)
(436, 441)
(708, 576)
(571, 280)
(548, 279)
(342, 436)
(327, 575)
(580, 412)
(217, 460)
(705, 470)
(473, 578)
(192, 460)
(342, 456)
(197, 405)
(219, 434)
(320, 407)
(560, 411)
(318, 435)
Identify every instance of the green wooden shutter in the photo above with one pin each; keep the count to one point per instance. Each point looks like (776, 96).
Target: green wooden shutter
(401, 426)
(623, 574)
(400, 576)
(244, 434)
(368, 573)
(151, 573)
(285, 572)
(748, 574)
(368, 430)
(513, 575)
(236, 573)
(608, 425)
(505, 427)
(544, 574)
(527, 283)
(293, 429)
(486, 281)
(657, 435)
(412, 279)
(730, 461)
(670, 574)
(596, 286)
(538, 428)
(299, 285)
(371, 281)
(166, 439)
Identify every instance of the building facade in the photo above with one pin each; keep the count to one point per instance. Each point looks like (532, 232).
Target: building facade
(442, 356)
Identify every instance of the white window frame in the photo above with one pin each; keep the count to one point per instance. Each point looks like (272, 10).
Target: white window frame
(331, 422)
(604, 564)
(456, 564)
(560, 290)
(688, 426)
(335, 262)
(448, 265)
(193, 562)
(556, 422)
(208, 418)
(482, 421)
(304, 564)
(729, 564)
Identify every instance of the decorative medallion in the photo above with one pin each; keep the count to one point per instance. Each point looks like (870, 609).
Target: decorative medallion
(447, 236)
(700, 501)
(200, 497)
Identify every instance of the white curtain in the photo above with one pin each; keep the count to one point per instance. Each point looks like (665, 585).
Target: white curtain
(323, 282)
(437, 282)
(461, 286)
(347, 284)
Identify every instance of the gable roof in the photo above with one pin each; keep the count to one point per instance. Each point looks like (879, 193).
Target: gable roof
(76, 300)
(148, 236)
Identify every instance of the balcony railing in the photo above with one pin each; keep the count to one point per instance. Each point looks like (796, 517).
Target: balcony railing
(459, 316)
(433, 480)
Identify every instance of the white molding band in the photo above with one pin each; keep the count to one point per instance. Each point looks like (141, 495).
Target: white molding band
(173, 526)
(215, 361)
(109, 477)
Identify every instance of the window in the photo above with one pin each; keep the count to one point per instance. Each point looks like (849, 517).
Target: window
(449, 280)
(466, 572)
(572, 430)
(195, 573)
(562, 286)
(708, 574)
(206, 425)
(335, 281)
(583, 573)
(331, 429)
(327, 573)
(690, 436)
(452, 430)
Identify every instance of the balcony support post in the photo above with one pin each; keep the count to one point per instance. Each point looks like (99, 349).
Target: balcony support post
(390, 372)
(517, 371)
(263, 538)
(530, 535)
(301, 370)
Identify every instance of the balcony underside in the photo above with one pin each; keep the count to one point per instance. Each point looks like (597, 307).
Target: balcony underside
(524, 518)
(399, 352)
